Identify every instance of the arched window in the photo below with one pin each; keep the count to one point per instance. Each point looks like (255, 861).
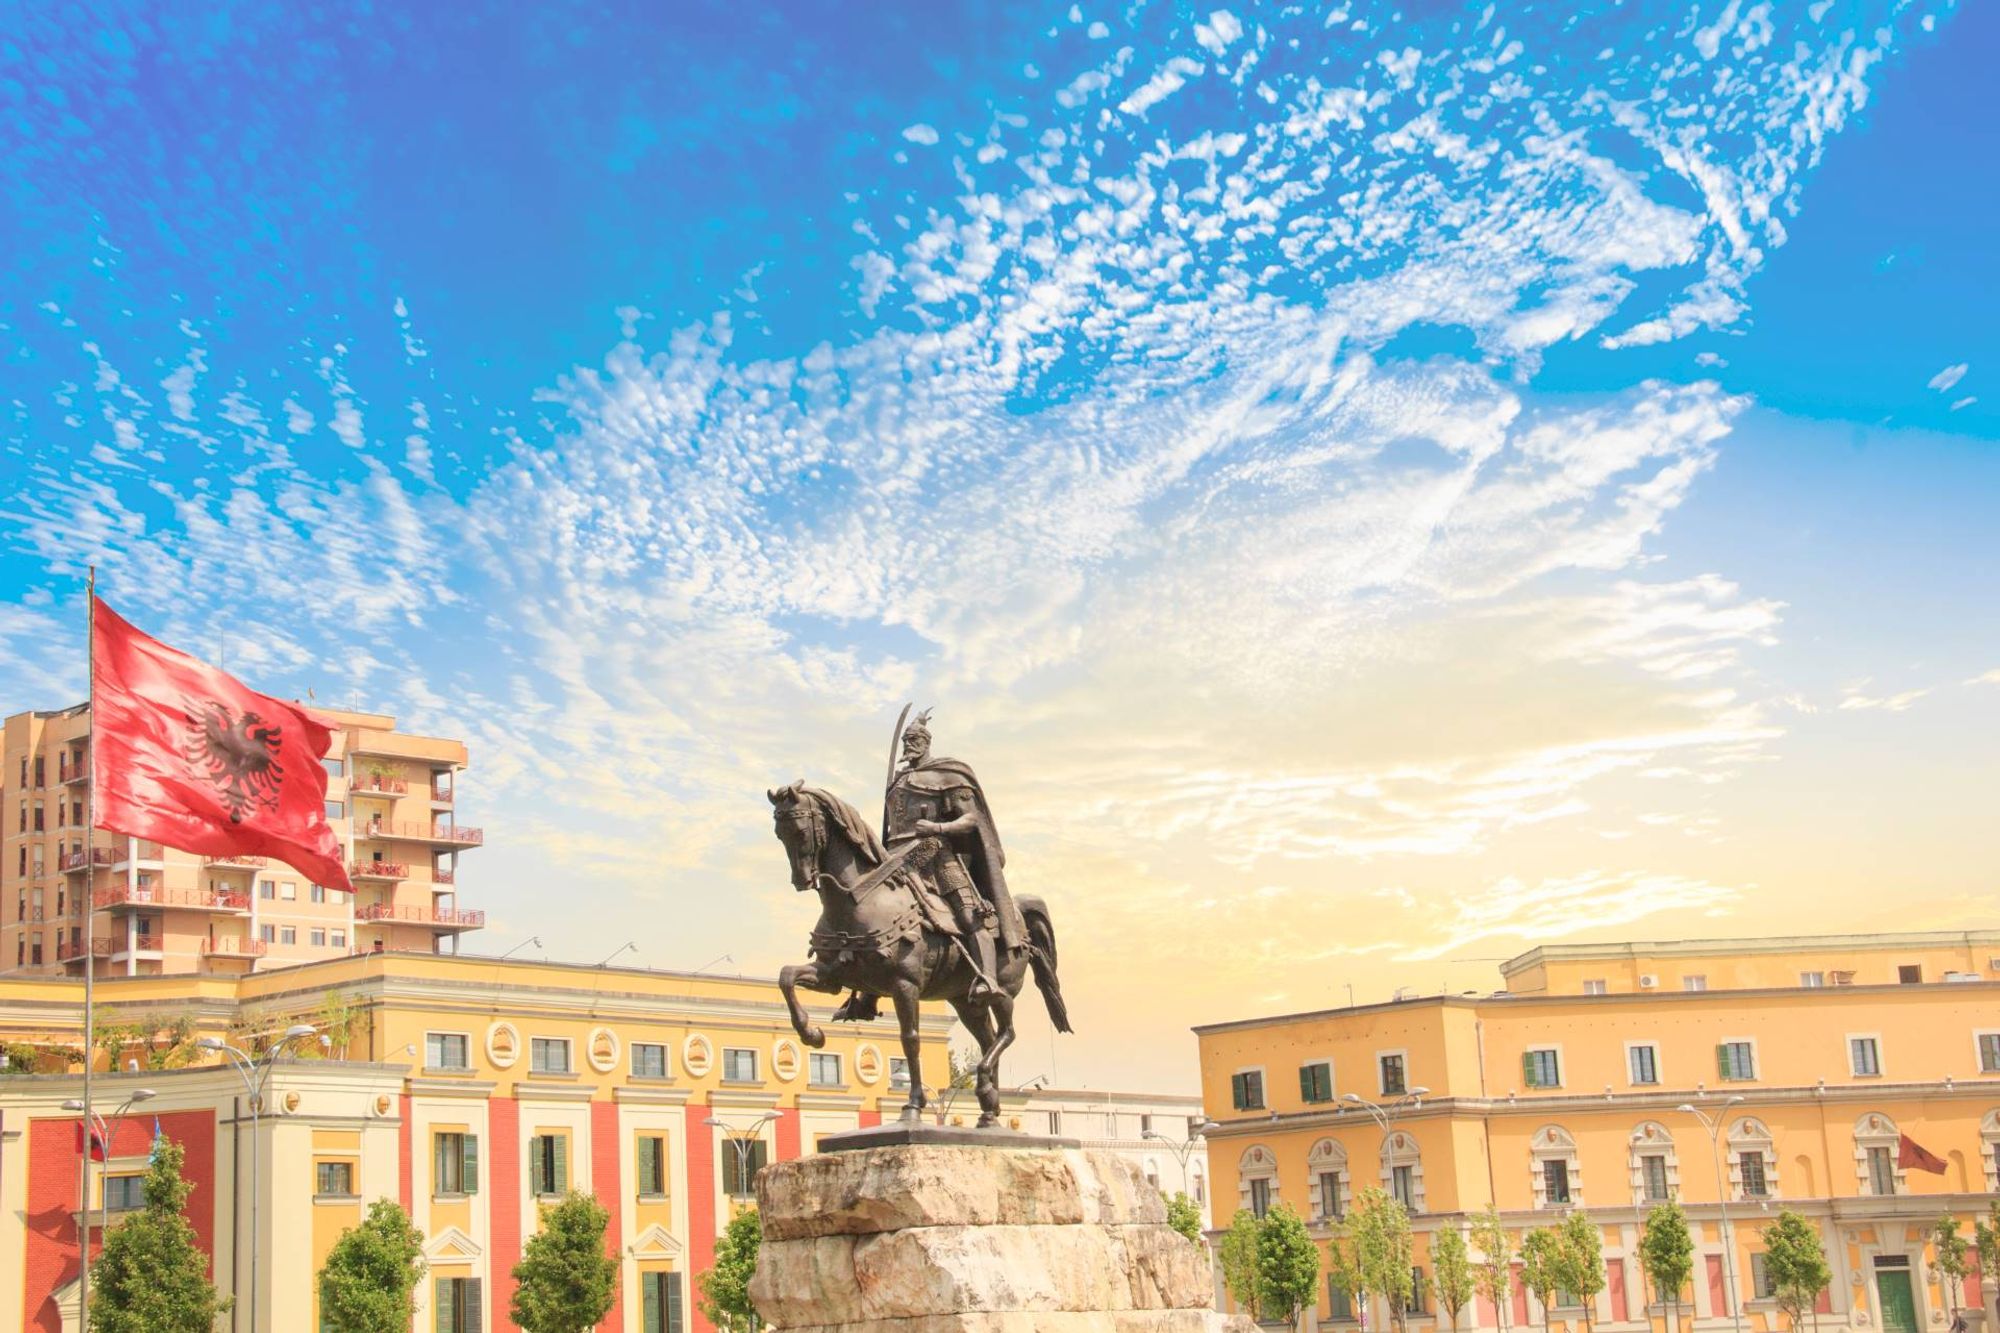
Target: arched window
(1876, 1140)
(1753, 1161)
(1200, 1184)
(1655, 1166)
(1326, 1169)
(1403, 1171)
(1152, 1173)
(1989, 1149)
(1558, 1175)
(1257, 1179)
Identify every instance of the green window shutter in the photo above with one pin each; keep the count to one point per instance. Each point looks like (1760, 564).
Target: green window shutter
(1528, 1069)
(447, 1306)
(649, 1300)
(471, 1181)
(649, 1149)
(1236, 1091)
(672, 1282)
(560, 1171)
(437, 1164)
(471, 1304)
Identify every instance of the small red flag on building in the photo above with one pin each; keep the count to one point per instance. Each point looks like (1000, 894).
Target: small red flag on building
(1910, 1153)
(191, 757)
(100, 1139)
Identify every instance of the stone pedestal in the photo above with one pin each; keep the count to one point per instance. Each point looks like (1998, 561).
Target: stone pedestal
(938, 1239)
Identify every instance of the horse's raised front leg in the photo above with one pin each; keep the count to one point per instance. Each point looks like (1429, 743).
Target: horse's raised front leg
(905, 996)
(789, 980)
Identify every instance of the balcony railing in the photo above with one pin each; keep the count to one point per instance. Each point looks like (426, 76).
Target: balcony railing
(378, 870)
(139, 944)
(370, 785)
(459, 836)
(449, 917)
(203, 900)
(80, 860)
(442, 876)
(236, 862)
(234, 948)
(100, 947)
(441, 793)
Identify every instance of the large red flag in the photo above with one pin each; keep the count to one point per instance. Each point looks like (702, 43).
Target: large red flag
(1910, 1153)
(191, 757)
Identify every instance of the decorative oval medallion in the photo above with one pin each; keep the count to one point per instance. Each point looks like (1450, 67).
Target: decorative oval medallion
(602, 1050)
(697, 1055)
(868, 1063)
(785, 1059)
(503, 1045)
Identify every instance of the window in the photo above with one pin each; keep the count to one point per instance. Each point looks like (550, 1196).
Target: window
(1735, 1061)
(1596, 986)
(1910, 975)
(739, 1065)
(1864, 1057)
(458, 1305)
(1763, 1287)
(1812, 980)
(1750, 1167)
(318, 937)
(652, 1167)
(1541, 1069)
(1260, 1196)
(335, 810)
(289, 890)
(1555, 1180)
(649, 1059)
(1393, 1081)
(338, 940)
(1055, 1122)
(455, 1163)
(1329, 1194)
(1881, 1171)
(1653, 1171)
(899, 1073)
(318, 893)
(1145, 1124)
(1246, 1090)
(266, 889)
(335, 1178)
(123, 1194)
(825, 1070)
(1694, 981)
(1415, 1305)
(1316, 1082)
(1403, 1185)
(660, 1303)
(742, 1159)
(1989, 1052)
(336, 767)
(548, 1163)
(268, 934)
(288, 934)
(1645, 1062)
(548, 1055)
(1340, 1301)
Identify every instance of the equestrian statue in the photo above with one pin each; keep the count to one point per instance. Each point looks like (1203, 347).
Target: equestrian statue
(922, 913)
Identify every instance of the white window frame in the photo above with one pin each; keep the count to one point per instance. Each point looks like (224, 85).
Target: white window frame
(728, 1051)
(1812, 980)
(1263, 1088)
(1979, 1055)
(1552, 1048)
(569, 1056)
(1694, 981)
(1328, 1157)
(1756, 1059)
(1401, 1053)
(1875, 1037)
(466, 1037)
(1596, 986)
(1659, 1075)
(666, 1059)
(839, 1072)
(1332, 1086)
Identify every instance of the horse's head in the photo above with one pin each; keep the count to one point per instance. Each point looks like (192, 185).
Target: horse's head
(810, 822)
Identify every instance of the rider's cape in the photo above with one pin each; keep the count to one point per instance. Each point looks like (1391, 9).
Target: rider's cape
(987, 860)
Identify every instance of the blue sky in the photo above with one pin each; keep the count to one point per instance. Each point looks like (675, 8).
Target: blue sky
(1370, 486)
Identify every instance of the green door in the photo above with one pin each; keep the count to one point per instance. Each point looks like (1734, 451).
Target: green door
(1899, 1306)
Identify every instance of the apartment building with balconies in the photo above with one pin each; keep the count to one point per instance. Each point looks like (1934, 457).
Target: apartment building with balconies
(134, 907)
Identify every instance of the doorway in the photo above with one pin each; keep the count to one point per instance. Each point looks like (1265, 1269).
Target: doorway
(1897, 1298)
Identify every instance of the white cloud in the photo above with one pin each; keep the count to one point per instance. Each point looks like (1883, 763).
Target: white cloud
(1945, 379)
(920, 133)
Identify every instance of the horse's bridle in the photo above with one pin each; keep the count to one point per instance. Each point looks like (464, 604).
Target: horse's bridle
(805, 814)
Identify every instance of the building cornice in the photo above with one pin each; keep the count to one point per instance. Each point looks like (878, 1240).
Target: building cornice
(1771, 944)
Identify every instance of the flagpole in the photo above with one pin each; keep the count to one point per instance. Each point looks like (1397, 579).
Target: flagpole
(89, 965)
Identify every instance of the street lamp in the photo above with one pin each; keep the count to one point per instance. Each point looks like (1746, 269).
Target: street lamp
(1183, 1149)
(1385, 1116)
(255, 1076)
(104, 1202)
(1714, 1127)
(741, 1140)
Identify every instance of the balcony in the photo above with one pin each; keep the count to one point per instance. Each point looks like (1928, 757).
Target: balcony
(137, 944)
(386, 871)
(71, 950)
(233, 948)
(441, 796)
(449, 836)
(442, 878)
(439, 918)
(371, 785)
(200, 900)
(236, 862)
(79, 861)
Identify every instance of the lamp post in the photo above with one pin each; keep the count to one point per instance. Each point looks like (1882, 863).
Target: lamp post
(1183, 1149)
(255, 1076)
(1714, 1127)
(741, 1140)
(1385, 1116)
(104, 1202)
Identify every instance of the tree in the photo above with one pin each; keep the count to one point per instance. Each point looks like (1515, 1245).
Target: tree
(1238, 1257)
(1343, 1269)
(1582, 1260)
(1451, 1273)
(1542, 1266)
(1986, 1237)
(370, 1280)
(151, 1276)
(1384, 1251)
(725, 1287)
(1666, 1252)
(1796, 1263)
(567, 1280)
(1492, 1275)
(1948, 1249)
(1287, 1265)
(1184, 1216)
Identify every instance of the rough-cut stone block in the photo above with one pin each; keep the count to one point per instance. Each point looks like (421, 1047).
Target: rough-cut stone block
(1024, 1321)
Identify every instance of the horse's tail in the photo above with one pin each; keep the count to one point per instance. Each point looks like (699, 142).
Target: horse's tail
(1042, 957)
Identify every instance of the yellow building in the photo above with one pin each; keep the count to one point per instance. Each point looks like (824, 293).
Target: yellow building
(1814, 1060)
(468, 1089)
(392, 799)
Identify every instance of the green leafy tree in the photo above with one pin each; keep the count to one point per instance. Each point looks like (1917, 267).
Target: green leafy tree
(1287, 1265)
(1796, 1263)
(1948, 1250)
(725, 1287)
(1582, 1260)
(1384, 1250)
(1184, 1216)
(1986, 1239)
(1343, 1268)
(1451, 1273)
(1491, 1275)
(151, 1276)
(370, 1280)
(566, 1278)
(1542, 1266)
(1666, 1252)
(1237, 1256)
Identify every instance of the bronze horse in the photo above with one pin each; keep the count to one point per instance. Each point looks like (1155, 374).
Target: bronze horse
(876, 938)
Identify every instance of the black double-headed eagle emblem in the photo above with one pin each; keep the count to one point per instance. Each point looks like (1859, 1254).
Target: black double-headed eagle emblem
(237, 754)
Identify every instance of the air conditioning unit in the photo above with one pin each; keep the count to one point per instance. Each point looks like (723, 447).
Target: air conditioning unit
(1648, 980)
(1963, 976)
